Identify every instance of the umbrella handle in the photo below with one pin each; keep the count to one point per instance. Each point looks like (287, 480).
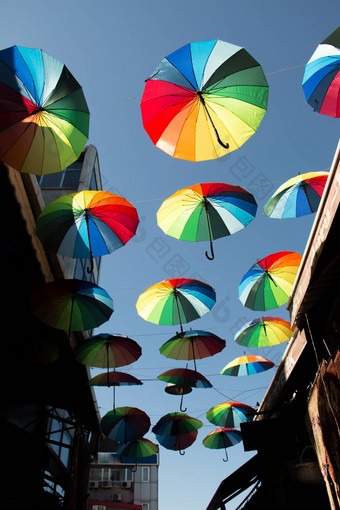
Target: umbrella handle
(181, 452)
(212, 256)
(224, 145)
(134, 469)
(180, 407)
(90, 269)
(226, 454)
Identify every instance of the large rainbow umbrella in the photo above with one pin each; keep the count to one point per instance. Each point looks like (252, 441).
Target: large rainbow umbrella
(176, 301)
(44, 119)
(125, 424)
(87, 224)
(206, 211)
(177, 431)
(224, 437)
(264, 332)
(321, 79)
(247, 365)
(230, 414)
(298, 196)
(269, 281)
(204, 100)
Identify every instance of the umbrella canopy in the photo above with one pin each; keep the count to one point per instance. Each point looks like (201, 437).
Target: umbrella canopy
(44, 120)
(321, 79)
(222, 438)
(176, 431)
(114, 378)
(137, 449)
(125, 424)
(184, 378)
(206, 211)
(269, 281)
(71, 304)
(264, 332)
(298, 196)
(230, 414)
(247, 365)
(176, 301)
(204, 100)
(87, 224)
(192, 345)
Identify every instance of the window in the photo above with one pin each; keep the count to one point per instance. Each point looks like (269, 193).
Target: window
(145, 474)
(112, 474)
(60, 434)
(145, 506)
(68, 178)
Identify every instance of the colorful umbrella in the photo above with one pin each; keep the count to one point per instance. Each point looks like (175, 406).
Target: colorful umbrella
(230, 414)
(321, 79)
(247, 365)
(125, 424)
(87, 224)
(264, 332)
(222, 438)
(44, 120)
(177, 431)
(71, 304)
(184, 378)
(206, 211)
(137, 449)
(269, 281)
(298, 196)
(176, 301)
(114, 379)
(204, 100)
(192, 345)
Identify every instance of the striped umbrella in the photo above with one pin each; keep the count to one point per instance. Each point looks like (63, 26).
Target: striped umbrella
(177, 431)
(125, 424)
(230, 414)
(264, 332)
(222, 438)
(185, 378)
(247, 365)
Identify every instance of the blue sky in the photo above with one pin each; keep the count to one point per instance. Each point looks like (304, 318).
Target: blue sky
(111, 47)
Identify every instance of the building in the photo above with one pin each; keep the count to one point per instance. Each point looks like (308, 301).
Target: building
(120, 483)
(295, 436)
(49, 420)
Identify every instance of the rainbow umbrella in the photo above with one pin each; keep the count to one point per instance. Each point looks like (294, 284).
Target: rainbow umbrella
(298, 196)
(177, 431)
(87, 224)
(222, 438)
(184, 378)
(44, 120)
(192, 345)
(206, 211)
(125, 424)
(114, 379)
(269, 281)
(71, 304)
(230, 414)
(321, 79)
(247, 365)
(137, 449)
(176, 301)
(204, 100)
(264, 332)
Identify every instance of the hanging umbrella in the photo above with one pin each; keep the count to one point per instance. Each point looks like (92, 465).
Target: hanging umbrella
(298, 196)
(176, 301)
(222, 438)
(87, 224)
(176, 431)
(264, 332)
(192, 345)
(230, 414)
(71, 304)
(44, 120)
(269, 281)
(247, 365)
(125, 424)
(206, 211)
(321, 79)
(114, 379)
(184, 378)
(137, 449)
(204, 100)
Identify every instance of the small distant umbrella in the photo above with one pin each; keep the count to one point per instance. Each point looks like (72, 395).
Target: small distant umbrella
(192, 345)
(125, 424)
(137, 449)
(247, 365)
(269, 282)
(230, 414)
(264, 332)
(176, 301)
(71, 305)
(185, 378)
(222, 438)
(298, 196)
(176, 431)
(207, 211)
(321, 79)
(114, 379)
